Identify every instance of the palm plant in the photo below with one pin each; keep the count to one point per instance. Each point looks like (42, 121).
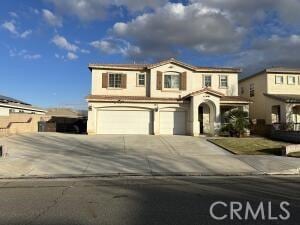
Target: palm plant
(238, 122)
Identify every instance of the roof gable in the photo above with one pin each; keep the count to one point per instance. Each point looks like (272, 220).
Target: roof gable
(172, 61)
(205, 90)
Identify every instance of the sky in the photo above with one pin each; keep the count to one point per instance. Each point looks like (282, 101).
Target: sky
(46, 45)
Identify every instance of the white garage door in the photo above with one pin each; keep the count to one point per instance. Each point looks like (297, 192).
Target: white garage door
(172, 123)
(124, 122)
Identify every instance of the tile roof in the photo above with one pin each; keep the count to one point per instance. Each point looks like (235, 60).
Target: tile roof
(285, 98)
(171, 60)
(273, 70)
(128, 98)
(154, 99)
(234, 99)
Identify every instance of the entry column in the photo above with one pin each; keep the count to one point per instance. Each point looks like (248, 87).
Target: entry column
(194, 116)
(156, 128)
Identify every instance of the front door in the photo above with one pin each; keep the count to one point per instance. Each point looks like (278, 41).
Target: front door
(200, 116)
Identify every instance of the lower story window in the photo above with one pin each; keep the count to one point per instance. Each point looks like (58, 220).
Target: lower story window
(171, 81)
(114, 80)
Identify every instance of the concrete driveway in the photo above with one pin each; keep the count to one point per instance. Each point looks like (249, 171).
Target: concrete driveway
(55, 154)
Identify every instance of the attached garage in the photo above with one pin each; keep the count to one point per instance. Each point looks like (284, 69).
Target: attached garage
(172, 122)
(127, 121)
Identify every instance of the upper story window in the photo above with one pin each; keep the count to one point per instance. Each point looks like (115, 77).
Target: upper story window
(279, 80)
(141, 79)
(242, 90)
(114, 80)
(223, 81)
(207, 81)
(252, 90)
(291, 80)
(172, 80)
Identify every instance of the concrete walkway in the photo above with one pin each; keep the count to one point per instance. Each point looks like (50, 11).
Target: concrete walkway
(59, 155)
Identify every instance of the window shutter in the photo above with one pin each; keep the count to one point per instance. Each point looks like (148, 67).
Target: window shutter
(104, 80)
(183, 81)
(124, 81)
(159, 80)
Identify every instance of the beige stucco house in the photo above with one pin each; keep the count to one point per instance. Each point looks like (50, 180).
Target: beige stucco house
(275, 93)
(169, 97)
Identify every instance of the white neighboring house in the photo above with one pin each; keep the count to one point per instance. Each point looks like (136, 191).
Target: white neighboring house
(10, 105)
(169, 97)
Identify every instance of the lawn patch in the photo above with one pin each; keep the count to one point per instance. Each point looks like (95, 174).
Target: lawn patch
(250, 146)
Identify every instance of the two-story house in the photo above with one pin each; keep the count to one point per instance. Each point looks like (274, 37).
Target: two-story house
(169, 97)
(275, 93)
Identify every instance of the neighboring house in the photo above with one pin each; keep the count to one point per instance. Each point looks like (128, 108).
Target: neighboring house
(64, 120)
(10, 105)
(275, 93)
(18, 117)
(169, 97)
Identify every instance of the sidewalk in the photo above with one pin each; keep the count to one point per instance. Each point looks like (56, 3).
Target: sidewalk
(149, 165)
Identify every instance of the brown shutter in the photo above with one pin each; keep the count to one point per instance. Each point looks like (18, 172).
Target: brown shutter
(183, 81)
(123, 81)
(104, 80)
(159, 80)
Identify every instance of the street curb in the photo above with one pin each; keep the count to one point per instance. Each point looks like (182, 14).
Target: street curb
(115, 175)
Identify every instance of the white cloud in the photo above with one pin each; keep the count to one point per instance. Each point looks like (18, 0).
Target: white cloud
(72, 56)
(63, 43)
(13, 14)
(11, 27)
(32, 56)
(268, 52)
(85, 51)
(201, 28)
(87, 10)
(26, 33)
(24, 54)
(58, 56)
(116, 46)
(51, 19)
(245, 12)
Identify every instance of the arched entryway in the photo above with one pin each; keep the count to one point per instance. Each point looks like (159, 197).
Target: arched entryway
(206, 117)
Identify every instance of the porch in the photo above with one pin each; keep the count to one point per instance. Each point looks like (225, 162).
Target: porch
(286, 115)
(209, 109)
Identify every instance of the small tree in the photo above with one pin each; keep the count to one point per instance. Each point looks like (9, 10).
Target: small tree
(238, 122)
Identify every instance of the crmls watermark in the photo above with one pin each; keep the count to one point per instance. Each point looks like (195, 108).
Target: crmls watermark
(245, 211)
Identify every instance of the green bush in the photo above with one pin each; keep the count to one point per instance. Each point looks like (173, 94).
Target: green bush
(238, 123)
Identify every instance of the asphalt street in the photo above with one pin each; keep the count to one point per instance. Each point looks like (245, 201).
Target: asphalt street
(150, 200)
